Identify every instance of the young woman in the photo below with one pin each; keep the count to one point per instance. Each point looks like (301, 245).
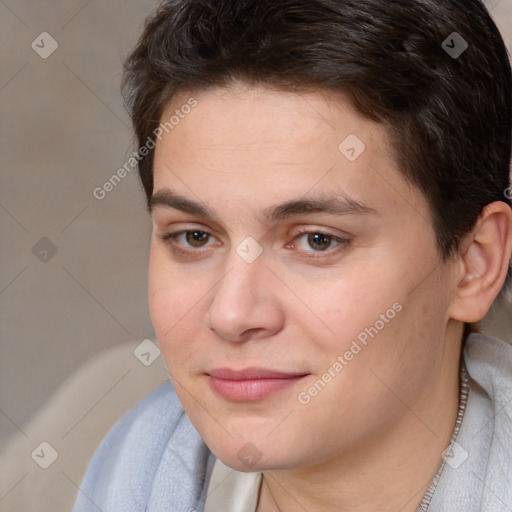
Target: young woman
(328, 182)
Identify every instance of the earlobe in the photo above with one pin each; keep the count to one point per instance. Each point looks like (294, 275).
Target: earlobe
(483, 263)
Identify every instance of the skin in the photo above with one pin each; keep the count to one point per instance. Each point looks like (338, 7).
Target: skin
(372, 439)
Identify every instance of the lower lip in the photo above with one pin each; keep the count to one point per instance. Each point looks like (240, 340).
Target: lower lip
(247, 390)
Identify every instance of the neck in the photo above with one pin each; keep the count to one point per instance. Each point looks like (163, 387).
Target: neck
(390, 471)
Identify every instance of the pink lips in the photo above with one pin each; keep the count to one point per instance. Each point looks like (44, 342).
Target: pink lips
(250, 383)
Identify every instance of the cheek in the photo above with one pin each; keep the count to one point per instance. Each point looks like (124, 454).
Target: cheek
(345, 306)
(170, 299)
(381, 311)
(159, 293)
(177, 304)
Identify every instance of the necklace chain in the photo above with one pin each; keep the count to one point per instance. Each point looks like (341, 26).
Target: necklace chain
(463, 399)
(464, 391)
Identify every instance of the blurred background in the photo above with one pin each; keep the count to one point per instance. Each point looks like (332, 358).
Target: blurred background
(73, 267)
(64, 133)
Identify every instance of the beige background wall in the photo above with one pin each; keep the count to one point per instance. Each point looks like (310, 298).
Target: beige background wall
(63, 133)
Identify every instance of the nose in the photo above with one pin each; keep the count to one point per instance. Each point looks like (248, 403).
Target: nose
(245, 303)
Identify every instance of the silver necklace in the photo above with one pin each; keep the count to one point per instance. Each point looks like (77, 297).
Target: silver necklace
(463, 399)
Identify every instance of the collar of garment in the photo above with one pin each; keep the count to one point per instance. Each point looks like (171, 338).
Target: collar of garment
(153, 459)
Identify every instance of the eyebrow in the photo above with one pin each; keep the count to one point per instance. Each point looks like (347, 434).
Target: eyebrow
(337, 204)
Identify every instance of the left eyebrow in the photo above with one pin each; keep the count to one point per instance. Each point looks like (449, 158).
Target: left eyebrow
(333, 205)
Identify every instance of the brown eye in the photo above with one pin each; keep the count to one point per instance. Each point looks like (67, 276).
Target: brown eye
(319, 241)
(196, 238)
(318, 244)
(187, 239)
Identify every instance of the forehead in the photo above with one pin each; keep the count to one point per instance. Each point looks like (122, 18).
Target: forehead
(252, 144)
(241, 117)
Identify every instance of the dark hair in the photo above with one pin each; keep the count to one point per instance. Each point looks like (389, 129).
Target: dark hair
(448, 115)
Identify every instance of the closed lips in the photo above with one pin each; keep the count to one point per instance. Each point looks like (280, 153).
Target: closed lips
(252, 374)
(250, 384)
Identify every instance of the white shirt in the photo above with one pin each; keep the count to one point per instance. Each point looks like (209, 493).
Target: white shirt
(232, 491)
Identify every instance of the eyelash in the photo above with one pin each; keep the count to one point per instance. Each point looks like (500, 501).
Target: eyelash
(342, 244)
(170, 240)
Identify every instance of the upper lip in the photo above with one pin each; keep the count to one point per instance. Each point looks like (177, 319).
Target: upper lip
(252, 373)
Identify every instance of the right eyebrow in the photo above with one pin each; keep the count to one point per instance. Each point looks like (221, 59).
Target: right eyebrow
(170, 199)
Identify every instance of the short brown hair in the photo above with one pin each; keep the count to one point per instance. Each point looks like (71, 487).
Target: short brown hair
(449, 117)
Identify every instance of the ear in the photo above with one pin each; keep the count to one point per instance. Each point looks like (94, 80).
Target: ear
(483, 263)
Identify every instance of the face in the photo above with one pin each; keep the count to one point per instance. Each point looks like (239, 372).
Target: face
(282, 244)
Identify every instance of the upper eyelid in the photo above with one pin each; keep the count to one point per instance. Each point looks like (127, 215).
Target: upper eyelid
(207, 229)
(304, 231)
(175, 234)
(340, 240)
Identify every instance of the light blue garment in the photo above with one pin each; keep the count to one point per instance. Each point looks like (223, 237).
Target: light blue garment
(153, 459)
(483, 482)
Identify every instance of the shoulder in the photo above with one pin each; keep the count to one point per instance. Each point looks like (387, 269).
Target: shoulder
(485, 439)
(150, 419)
(125, 464)
(489, 362)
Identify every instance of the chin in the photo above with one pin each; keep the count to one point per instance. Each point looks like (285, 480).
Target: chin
(253, 454)
(246, 464)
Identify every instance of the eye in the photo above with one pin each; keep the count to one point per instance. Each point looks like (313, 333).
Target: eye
(313, 244)
(188, 238)
(320, 242)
